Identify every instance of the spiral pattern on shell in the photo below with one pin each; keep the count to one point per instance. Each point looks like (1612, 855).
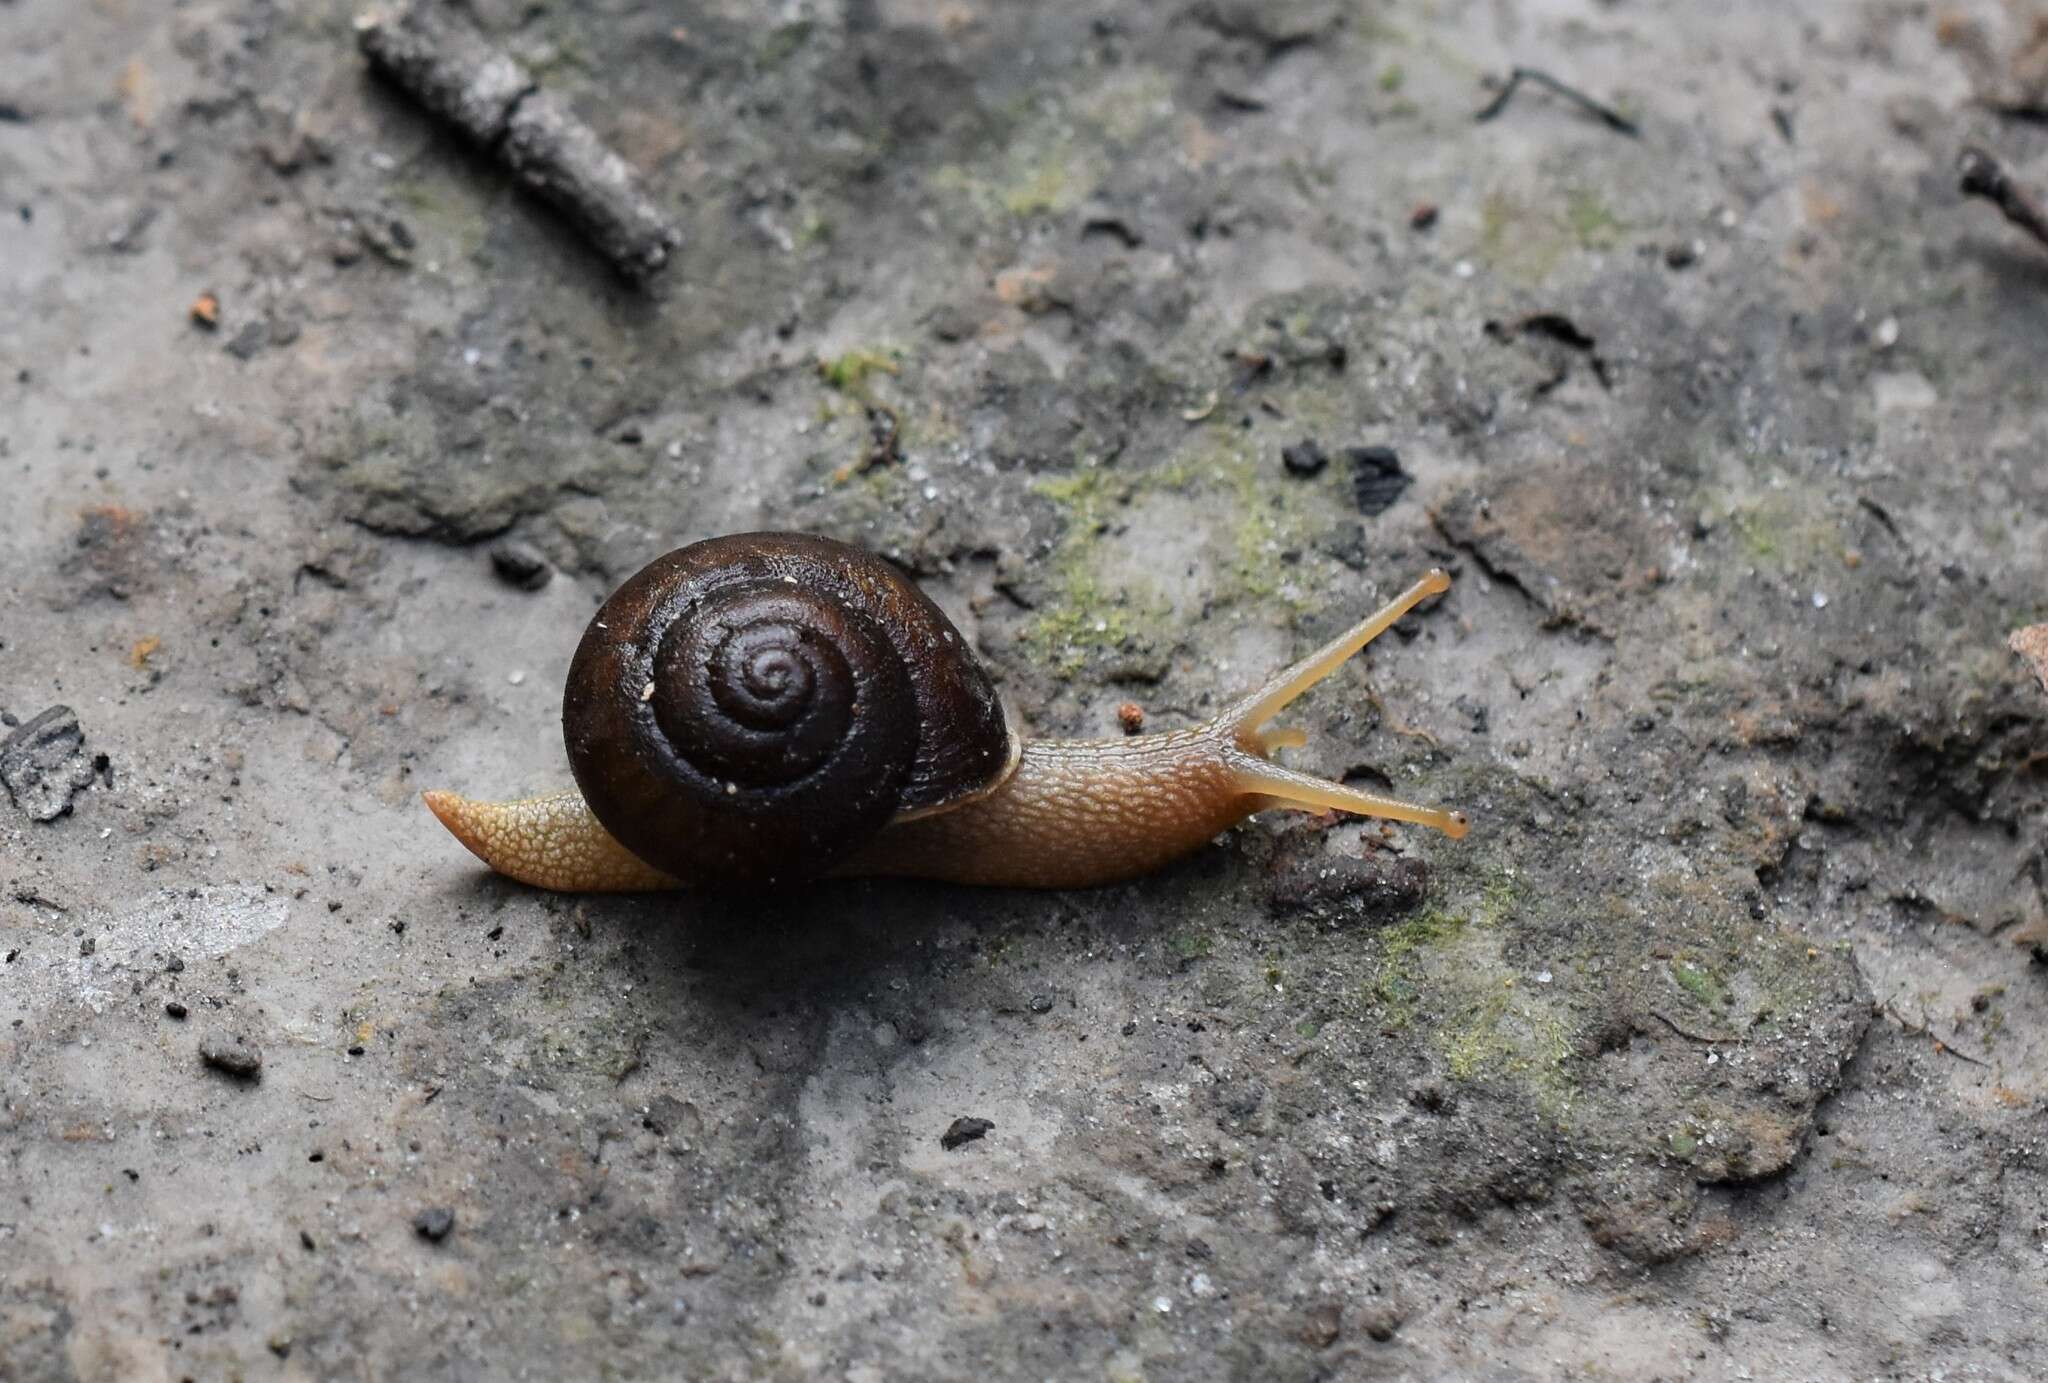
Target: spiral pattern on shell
(751, 709)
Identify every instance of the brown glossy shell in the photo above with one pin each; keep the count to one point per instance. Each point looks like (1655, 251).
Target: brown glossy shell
(752, 709)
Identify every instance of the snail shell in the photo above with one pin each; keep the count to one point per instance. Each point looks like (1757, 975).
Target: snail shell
(753, 708)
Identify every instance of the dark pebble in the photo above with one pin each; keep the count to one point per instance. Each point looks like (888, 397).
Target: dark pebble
(175, 965)
(1041, 1003)
(232, 1053)
(176, 1010)
(433, 1223)
(1377, 479)
(1381, 1322)
(247, 342)
(1304, 458)
(519, 565)
(1682, 256)
(964, 1131)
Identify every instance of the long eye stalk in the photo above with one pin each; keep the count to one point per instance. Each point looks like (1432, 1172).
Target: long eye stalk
(1253, 743)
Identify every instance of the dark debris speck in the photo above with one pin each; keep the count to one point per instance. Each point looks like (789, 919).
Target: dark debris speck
(434, 1223)
(520, 565)
(1304, 457)
(963, 1131)
(1377, 479)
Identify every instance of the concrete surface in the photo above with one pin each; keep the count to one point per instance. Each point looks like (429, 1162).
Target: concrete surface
(1712, 1052)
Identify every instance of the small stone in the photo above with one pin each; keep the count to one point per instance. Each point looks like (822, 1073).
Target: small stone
(249, 340)
(1429, 1096)
(1041, 1003)
(1381, 1322)
(176, 1010)
(232, 1054)
(1304, 458)
(1685, 254)
(1377, 479)
(1323, 1325)
(963, 1131)
(1422, 216)
(520, 565)
(434, 1223)
(44, 762)
(1131, 716)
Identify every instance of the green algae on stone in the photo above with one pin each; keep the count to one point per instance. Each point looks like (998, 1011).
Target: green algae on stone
(1395, 987)
(1030, 180)
(1701, 983)
(1592, 221)
(1487, 1024)
(1081, 618)
(850, 370)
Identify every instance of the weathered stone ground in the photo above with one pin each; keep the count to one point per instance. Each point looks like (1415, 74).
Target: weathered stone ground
(1712, 1052)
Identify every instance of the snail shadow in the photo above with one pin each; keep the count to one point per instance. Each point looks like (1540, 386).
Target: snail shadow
(2020, 272)
(827, 945)
(767, 979)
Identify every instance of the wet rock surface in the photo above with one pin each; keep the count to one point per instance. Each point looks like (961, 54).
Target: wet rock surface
(1716, 1047)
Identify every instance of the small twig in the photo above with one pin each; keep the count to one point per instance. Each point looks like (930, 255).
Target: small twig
(1387, 718)
(1926, 1030)
(1710, 1039)
(445, 65)
(885, 442)
(1983, 176)
(1607, 115)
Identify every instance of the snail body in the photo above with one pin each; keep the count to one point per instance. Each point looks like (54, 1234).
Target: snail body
(769, 707)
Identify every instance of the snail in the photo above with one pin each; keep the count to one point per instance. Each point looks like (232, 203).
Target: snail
(770, 707)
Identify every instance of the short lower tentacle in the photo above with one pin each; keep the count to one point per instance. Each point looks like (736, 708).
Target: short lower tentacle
(550, 842)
